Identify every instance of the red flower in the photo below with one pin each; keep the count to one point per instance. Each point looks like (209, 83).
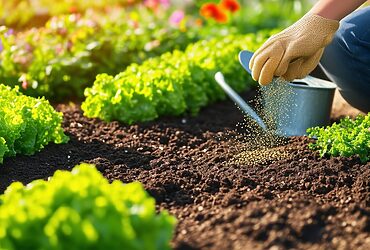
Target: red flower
(230, 5)
(73, 9)
(212, 10)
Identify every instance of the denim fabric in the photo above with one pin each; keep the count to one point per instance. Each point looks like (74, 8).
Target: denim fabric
(346, 61)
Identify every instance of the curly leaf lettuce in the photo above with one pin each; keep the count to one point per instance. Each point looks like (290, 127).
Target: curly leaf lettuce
(174, 83)
(27, 124)
(346, 138)
(82, 210)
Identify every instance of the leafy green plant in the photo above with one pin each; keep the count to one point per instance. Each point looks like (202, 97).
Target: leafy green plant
(172, 83)
(346, 138)
(62, 58)
(82, 210)
(27, 124)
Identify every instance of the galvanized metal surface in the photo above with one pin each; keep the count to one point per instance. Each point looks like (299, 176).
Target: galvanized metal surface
(304, 106)
(303, 103)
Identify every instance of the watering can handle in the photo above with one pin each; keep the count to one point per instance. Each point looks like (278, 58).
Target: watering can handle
(244, 58)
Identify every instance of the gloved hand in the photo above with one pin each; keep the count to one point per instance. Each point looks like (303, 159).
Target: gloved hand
(294, 52)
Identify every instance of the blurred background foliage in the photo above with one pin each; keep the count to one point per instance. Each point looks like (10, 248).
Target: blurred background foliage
(55, 48)
(259, 13)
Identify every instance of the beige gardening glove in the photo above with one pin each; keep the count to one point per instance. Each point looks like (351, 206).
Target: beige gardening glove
(294, 52)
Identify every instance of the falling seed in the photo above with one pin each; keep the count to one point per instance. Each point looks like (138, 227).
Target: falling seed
(254, 146)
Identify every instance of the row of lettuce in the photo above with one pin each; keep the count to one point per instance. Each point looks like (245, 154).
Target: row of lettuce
(27, 124)
(171, 84)
(82, 210)
(347, 138)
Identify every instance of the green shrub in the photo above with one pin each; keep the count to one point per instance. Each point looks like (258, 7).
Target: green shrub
(346, 138)
(172, 83)
(27, 124)
(81, 210)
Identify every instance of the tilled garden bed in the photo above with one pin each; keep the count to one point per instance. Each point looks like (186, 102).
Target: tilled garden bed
(287, 197)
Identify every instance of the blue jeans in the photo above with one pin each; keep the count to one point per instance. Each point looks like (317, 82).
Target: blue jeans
(346, 61)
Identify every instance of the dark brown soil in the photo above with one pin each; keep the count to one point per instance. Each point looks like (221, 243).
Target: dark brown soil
(188, 164)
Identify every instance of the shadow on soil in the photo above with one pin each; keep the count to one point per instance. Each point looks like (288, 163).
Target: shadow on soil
(64, 157)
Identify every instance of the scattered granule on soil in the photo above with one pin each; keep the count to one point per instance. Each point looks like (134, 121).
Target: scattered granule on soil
(262, 156)
(256, 146)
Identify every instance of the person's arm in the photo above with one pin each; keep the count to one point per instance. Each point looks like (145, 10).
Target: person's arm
(335, 9)
(295, 52)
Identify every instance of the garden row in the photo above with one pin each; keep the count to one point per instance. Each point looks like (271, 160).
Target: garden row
(27, 124)
(171, 84)
(82, 210)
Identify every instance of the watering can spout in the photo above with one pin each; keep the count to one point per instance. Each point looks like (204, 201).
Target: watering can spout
(219, 77)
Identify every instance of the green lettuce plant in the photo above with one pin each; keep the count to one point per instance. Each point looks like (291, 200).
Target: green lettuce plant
(346, 138)
(27, 124)
(82, 210)
(172, 83)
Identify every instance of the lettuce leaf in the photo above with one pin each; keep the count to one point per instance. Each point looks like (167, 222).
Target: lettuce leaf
(27, 124)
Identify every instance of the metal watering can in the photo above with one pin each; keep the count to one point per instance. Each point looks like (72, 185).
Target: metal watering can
(308, 103)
